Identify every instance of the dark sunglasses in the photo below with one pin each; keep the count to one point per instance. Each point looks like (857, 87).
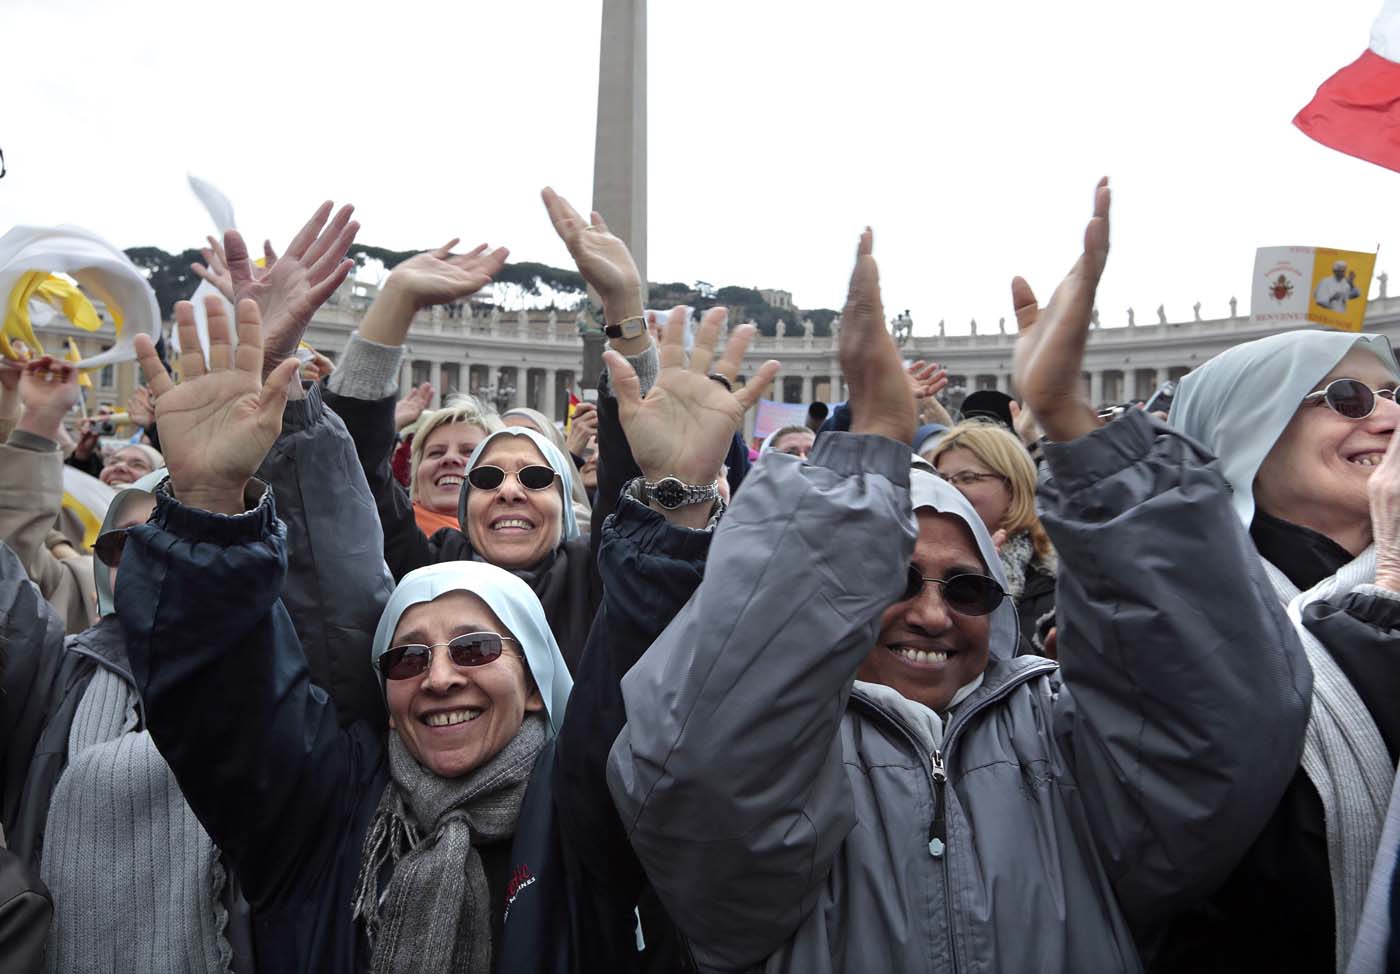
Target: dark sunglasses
(109, 546)
(969, 595)
(533, 477)
(1351, 398)
(468, 649)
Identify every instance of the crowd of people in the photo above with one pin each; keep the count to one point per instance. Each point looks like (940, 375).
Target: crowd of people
(349, 683)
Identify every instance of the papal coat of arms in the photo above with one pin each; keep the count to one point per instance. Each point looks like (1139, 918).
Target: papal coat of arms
(1281, 289)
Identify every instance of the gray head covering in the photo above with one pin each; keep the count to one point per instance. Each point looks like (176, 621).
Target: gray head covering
(1238, 404)
(928, 490)
(568, 521)
(514, 604)
(142, 490)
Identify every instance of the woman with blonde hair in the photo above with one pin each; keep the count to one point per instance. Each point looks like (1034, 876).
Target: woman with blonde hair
(442, 443)
(991, 468)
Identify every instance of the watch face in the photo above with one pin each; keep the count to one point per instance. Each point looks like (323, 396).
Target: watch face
(669, 493)
(633, 328)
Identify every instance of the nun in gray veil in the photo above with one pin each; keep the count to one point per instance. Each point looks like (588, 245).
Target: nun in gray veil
(1299, 423)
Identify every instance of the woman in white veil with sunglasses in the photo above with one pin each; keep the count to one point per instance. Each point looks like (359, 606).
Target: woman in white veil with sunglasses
(1303, 424)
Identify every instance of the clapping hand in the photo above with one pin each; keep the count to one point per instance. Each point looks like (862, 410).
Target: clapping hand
(1050, 348)
(602, 259)
(141, 408)
(684, 425)
(880, 393)
(217, 425)
(291, 287)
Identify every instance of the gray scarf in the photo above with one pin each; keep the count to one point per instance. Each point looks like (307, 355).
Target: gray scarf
(435, 914)
(136, 880)
(1344, 755)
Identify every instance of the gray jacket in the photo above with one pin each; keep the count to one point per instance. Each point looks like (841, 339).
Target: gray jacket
(337, 583)
(789, 823)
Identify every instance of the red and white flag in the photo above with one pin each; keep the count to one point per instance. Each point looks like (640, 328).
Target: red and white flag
(1357, 110)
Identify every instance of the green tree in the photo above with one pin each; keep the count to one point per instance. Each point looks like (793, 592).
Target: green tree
(169, 275)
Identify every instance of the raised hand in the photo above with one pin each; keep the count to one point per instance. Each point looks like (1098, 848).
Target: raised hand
(602, 259)
(141, 408)
(684, 425)
(879, 392)
(1383, 489)
(217, 425)
(215, 270)
(48, 389)
(411, 406)
(582, 428)
(1050, 347)
(927, 379)
(440, 276)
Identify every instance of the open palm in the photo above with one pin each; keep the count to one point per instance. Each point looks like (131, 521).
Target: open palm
(217, 425)
(602, 258)
(685, 423)
(440, 276)
(290, 288)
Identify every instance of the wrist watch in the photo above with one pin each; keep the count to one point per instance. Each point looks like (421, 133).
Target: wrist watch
(628, 328)
(673, 493)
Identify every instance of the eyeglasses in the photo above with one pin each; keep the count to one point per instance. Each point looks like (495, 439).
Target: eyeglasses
(969, 595)
(1351, 398)
(966, 478)
(468, 649)
(109, 546)
(533, 477)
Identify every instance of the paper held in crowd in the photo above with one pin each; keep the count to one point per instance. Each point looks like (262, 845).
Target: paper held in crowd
(1311, 285)
(36, 298)
(1357, 110)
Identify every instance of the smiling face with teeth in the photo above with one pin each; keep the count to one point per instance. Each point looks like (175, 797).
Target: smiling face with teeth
(437, 483)
(925, 650)
(1315, 475)
(512, 527)
(452, 719)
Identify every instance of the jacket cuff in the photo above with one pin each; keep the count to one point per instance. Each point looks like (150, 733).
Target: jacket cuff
(851, 454)
(1096, 456)
(367, 370)
(647, 366)
(33, 442)
(227, 530)
(304, 413)
(1380, 606)
(648, 529)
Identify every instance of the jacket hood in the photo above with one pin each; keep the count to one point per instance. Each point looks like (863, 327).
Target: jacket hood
(568, 521)
(141, 490)
(926, 437)
(928, 490)
(1238, 404)
(514, 604)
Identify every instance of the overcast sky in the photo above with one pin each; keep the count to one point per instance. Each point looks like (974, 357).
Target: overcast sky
(970, 135)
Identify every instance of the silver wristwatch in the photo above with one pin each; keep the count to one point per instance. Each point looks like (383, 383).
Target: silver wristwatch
(672, 493)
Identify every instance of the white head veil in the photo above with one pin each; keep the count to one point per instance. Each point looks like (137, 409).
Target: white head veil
(568, 522)
(1238, 404)
(126, 499)
(514, 604)
(928, 490)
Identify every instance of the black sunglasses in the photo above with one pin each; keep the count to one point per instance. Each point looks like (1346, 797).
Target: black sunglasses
(1351, 398)
(533, 477)
(468, 649)
(109, 546)
(969, 595)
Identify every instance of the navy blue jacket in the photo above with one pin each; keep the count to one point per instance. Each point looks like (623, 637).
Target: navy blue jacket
(288, 794)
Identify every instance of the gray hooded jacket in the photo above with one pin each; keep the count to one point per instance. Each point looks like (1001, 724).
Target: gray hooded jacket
(793, 822)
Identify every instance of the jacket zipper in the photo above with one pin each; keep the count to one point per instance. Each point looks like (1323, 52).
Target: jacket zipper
(938, 778)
